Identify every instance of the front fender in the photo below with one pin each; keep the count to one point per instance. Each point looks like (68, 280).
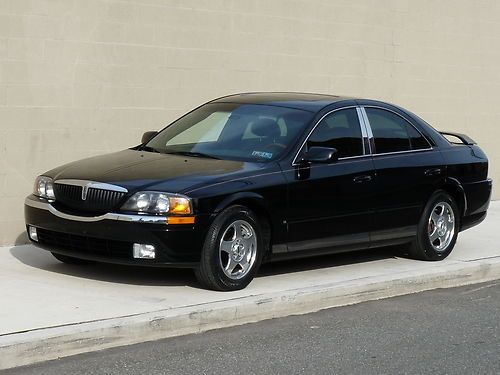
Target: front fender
(255, 198)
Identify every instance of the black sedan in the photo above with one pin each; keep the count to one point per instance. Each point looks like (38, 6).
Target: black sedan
(258, 177)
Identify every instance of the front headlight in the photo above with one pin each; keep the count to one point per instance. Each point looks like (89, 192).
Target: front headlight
(44, 188)
(158, 203)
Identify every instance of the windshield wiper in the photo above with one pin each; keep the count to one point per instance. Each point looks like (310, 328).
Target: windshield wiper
(194, 154)
(149, 149)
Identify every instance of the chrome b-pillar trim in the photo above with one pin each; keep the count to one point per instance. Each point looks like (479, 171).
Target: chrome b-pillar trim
(365, 131)
(371, 139)
(151, 219)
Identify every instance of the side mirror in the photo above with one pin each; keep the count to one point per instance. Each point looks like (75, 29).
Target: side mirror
(321, 155)
(146, 137)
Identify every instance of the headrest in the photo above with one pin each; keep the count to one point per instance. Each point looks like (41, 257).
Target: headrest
(266, 128)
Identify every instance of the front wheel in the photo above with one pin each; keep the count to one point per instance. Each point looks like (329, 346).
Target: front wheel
(437, 230)
(232, 252)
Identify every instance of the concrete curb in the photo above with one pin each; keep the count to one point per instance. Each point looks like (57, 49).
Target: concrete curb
(53, 342)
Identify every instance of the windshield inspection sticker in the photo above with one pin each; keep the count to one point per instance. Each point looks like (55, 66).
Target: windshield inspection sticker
(263, 154)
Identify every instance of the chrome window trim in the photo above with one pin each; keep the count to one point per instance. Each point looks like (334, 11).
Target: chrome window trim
(367, 137)
(92, 184)
(354, 157)
(370, 133)
(364, 133)
(294, 161)
(402, 152)
(367, 123)
(150, 219)
(361, 123)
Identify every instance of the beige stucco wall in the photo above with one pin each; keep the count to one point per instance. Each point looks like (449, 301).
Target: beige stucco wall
(84, 77)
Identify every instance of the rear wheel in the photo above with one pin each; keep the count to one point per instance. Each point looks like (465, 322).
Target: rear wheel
(70, 260)
(438, 229)
(232, 252)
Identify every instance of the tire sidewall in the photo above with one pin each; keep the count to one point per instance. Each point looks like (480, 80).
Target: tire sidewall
(423, 237)
(211, 247)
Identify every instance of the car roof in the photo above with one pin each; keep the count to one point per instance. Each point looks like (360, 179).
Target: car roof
(304, 101)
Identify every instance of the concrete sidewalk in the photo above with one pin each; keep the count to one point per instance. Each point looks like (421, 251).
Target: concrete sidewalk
(50, 309)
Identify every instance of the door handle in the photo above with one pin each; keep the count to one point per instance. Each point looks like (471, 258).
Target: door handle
(360, 179)
(433, 172)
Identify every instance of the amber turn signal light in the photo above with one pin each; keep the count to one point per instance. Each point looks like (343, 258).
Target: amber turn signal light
(180, 219)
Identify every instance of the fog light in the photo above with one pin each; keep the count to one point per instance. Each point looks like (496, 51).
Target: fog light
(143, 251)
(33, 234)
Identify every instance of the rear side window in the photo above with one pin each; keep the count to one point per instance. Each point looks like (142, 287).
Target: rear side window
(339, 130)
(392, 133)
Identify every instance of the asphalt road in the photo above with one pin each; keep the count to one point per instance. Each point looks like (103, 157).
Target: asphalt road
(446, 331)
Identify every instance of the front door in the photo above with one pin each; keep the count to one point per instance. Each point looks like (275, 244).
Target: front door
(329, 204)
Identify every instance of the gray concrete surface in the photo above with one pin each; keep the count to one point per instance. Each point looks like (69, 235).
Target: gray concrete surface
(444, 331)
(52, 309)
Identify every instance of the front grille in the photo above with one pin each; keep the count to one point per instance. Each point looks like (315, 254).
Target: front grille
(97, 200)
(68, 192)
(85, 245)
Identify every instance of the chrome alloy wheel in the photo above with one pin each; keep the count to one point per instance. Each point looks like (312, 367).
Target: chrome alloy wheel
(238, 249)
(441, 227)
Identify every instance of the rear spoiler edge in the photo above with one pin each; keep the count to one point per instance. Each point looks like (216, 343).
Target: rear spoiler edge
(466, 140)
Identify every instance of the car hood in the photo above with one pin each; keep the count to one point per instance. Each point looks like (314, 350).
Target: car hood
(138, 170)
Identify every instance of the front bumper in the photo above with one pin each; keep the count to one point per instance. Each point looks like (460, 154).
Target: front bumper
(110, 237)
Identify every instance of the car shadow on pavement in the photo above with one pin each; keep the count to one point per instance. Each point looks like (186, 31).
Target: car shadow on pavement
(151, 276)
(326, 261)
(133, 275)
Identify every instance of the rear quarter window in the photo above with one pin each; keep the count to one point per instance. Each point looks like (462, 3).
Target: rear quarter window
(392, 133)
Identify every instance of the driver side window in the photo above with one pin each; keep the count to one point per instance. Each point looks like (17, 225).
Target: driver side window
(340, 130)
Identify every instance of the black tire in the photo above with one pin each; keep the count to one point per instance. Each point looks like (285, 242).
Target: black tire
(421, 248)
(210, 272)
(70, 260)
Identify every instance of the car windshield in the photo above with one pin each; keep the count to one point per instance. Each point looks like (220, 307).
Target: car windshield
(245, 132)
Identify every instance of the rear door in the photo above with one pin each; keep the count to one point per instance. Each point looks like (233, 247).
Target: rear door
(329, 204)
(408, 169)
